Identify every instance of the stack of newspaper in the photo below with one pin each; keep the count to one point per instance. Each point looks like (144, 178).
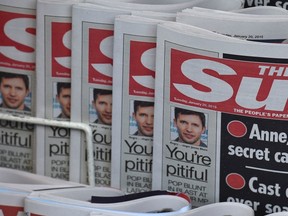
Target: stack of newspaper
(199, 101)
(194, 83)
(92, 71)
(48, 95)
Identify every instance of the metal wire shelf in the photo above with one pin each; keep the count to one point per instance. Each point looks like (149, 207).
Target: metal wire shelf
(66, 124)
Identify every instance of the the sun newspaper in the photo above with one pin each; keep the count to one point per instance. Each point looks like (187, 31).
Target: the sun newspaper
(92, 57)
(220, 118)
(17, 82)
(53, 67)
(133, 100)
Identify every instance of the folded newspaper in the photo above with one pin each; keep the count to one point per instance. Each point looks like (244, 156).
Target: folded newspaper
(53, 68)
(77, 202)
(252, 27)
(17, 82)
(15, 185)
(133, 99)
(220, 118)
(92, 47)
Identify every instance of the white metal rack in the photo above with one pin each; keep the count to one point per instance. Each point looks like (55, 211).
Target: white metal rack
(66, 124)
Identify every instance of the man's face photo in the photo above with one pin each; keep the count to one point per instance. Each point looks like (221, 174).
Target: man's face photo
(144, 117)
(13, 92)
(64, 99)
(189, 128)
(103, 107)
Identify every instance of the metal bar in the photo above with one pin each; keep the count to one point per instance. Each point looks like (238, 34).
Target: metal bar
(66, 124)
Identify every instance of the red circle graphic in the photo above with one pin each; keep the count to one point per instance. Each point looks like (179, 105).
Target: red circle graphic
(237, 128)
(235, 181)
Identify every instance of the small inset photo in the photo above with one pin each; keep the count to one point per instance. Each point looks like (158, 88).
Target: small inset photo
(188, 126)
(141, 118)
(15, 91)
(62, 100)
(100, 110)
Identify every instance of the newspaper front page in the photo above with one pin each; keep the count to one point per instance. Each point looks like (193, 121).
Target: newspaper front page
(133, 87)
(53, 85)
(17, 82)
(93, 37)
(220, 118)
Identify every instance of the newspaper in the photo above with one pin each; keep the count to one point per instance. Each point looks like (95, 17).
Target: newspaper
(133, 98)
(92, 48)
(257, 3)
(234, 149)
(17, 82)
(260, 28)
(15, 185)
(77, 202)
(53, 85)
